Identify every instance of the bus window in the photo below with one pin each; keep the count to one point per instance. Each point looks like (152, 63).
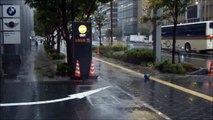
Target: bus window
(211, 25)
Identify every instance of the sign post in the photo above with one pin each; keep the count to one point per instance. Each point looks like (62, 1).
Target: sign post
(82, 52)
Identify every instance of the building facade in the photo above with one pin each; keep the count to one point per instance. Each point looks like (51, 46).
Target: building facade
(129, 14)
(16, 28)
(106, 10)
(126, 17)
(198, 10)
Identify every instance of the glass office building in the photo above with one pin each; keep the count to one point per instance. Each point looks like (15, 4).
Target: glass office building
(105, 9)
(128, 16)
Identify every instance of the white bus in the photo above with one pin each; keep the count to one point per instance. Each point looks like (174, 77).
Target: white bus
(190, 36)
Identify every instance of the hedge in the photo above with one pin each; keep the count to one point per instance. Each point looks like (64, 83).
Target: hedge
(139, 55)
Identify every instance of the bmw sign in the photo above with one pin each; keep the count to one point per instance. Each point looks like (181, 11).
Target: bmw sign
(11, 24)
(11, 11)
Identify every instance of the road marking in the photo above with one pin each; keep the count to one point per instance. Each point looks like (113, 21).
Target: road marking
(206, 97)
(70, 97)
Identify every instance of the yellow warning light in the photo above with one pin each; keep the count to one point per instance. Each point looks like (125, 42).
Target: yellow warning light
(82, 29)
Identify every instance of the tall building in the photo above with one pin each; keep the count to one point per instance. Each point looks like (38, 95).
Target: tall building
(198, 10)
(129, 14)
(106, 10)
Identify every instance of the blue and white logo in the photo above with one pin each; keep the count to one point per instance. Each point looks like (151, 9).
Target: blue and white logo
(11, 11)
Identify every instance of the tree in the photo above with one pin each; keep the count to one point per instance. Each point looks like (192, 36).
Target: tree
(108, 35)
(151, 10)
(99, 19)
(144, 31)
(117, 32)
(171, 9)
(66, 12)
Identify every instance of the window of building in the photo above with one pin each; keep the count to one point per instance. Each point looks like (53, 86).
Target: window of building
(211, 25)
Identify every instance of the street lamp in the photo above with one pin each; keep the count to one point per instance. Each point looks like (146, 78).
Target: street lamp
(111, 31)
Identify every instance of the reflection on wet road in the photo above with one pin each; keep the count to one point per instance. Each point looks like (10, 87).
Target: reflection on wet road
(172, 102)
(112, 103)
(199, 60)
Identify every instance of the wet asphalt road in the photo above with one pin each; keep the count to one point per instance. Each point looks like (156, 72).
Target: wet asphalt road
(172, 102)
(199, 60)
(110, 104)
(130, 97)
(32, 91)
(113, 104)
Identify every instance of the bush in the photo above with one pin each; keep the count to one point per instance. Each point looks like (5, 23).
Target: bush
(189, 67)
(47, 47)
(138, 55)
(108, 54)
(160, 65)
(119, 55)
(119, 47)
(94, 48)
(62, 69)
(168, 67)
(52, 51)
(147, 64)
(57, 56)
(105, 49)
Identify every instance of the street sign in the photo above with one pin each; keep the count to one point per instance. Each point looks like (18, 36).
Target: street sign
(82, 41)
(12, 37)
(11, 11)
(11, 24)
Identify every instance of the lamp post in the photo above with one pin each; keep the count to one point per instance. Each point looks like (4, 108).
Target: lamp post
(111, 31)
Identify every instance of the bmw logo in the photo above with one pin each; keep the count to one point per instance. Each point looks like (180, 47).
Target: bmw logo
(11, 11)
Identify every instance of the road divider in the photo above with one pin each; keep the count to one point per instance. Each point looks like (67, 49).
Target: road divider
(186, 90)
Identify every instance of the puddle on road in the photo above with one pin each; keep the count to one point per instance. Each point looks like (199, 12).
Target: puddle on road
(119, 94)
(105, 100)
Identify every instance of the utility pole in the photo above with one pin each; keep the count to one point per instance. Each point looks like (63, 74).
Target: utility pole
(111, 31)
(158, 37)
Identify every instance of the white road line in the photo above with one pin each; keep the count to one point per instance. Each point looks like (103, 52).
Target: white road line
(73, 96)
